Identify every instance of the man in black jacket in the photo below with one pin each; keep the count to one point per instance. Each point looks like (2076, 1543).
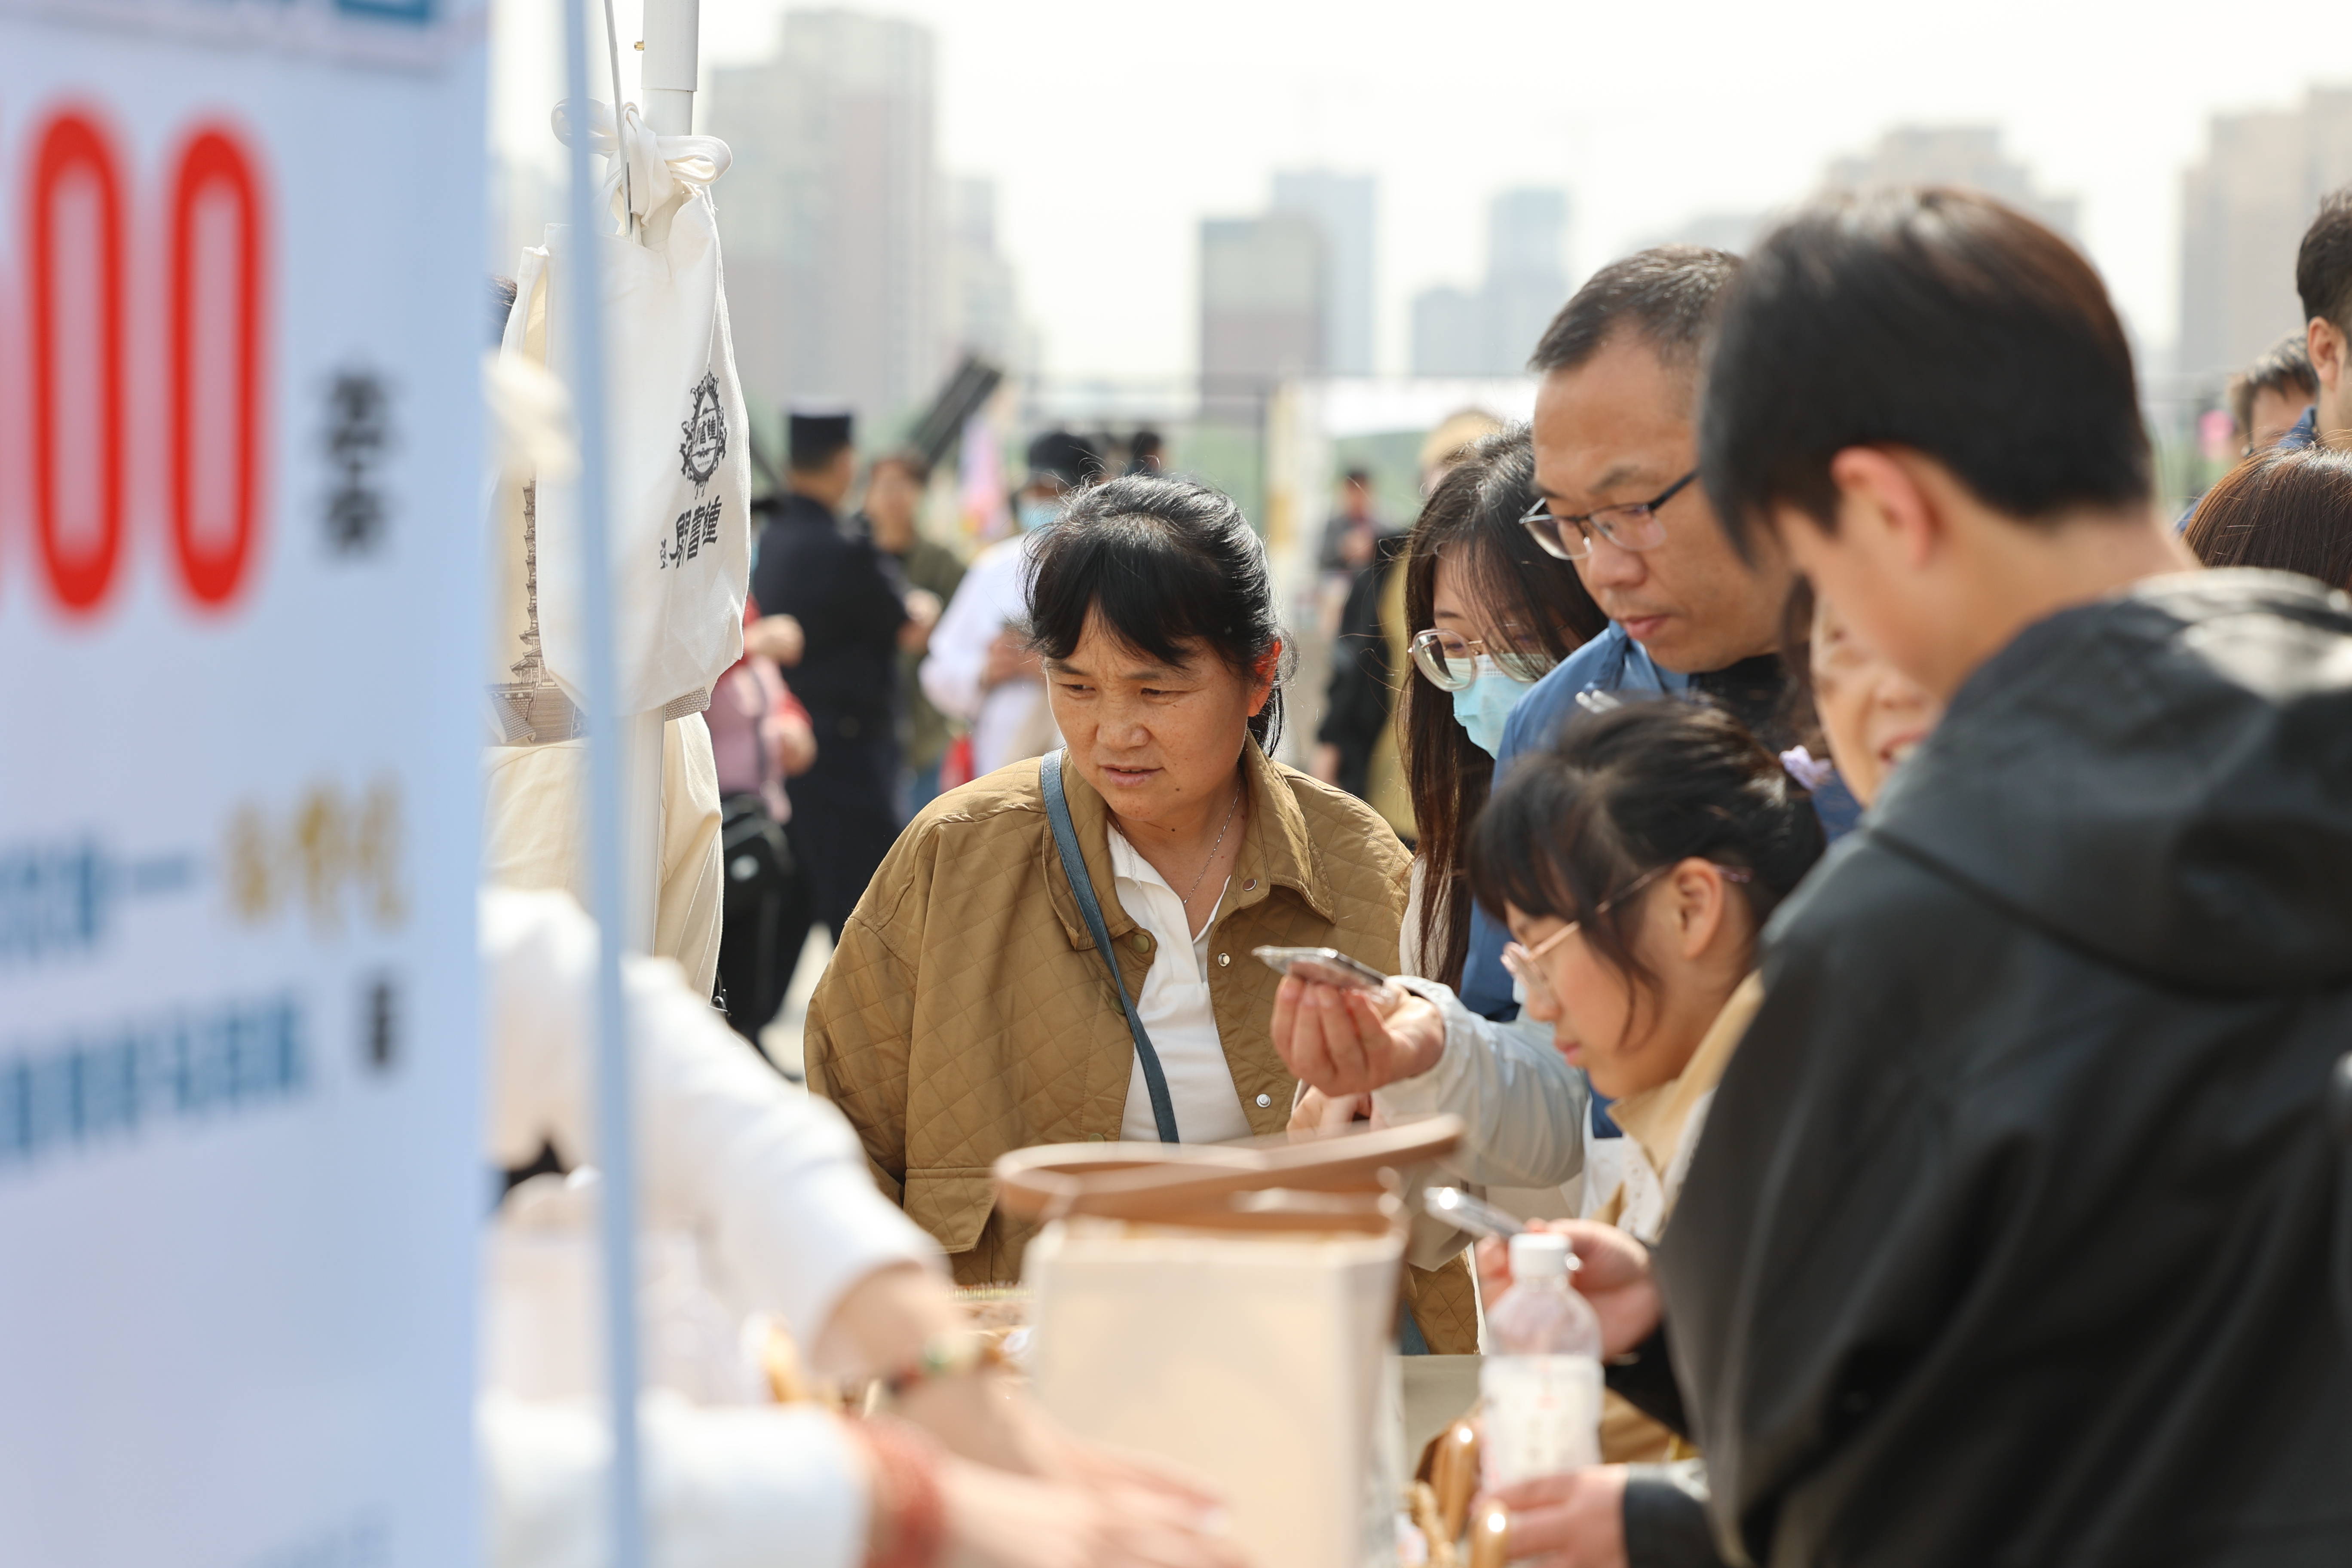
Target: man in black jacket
(850, 604)
(2010, 1237)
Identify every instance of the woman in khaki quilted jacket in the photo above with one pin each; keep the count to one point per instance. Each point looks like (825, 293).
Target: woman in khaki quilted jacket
(967, 1010)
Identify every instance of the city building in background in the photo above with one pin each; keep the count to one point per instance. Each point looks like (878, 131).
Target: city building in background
(1263, 308)
(1490, 331)
(1347, 206)
(855, 269)
(2243, 208)
(982, 313)
(1736, 231)
(1970, 156)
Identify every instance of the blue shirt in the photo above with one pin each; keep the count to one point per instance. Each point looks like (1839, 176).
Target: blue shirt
(2303, 432)
(1610, 662)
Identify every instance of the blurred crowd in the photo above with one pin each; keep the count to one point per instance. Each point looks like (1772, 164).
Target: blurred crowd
(1877, 888)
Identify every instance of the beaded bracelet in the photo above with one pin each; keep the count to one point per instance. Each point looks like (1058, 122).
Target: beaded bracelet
(944, 1355)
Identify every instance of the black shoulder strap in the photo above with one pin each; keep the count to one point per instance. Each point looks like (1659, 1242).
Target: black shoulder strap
(1073, 866)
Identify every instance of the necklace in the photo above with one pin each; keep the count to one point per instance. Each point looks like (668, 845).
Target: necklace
(1220, 844)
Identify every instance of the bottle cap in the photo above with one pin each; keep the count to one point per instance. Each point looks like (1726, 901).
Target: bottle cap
(1538, 1255)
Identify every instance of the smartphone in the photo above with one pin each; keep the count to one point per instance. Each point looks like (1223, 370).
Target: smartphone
(1460, 1210)
(1328, 965)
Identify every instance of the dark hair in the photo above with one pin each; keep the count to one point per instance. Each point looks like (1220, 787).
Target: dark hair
(1060, 455)
(1472, 519)
(1358, 477)
(2285, 370)
(1626, 792)
(1937, 319)
(1173, 567)
(2322, 265)
(907, 460)
(2287, 512)
(1800, 717)
(1667, 295)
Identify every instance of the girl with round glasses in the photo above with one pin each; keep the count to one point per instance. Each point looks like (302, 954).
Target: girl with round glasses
(1634, 864)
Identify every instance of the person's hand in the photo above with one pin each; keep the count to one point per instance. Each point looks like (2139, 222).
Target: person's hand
(1319, 1114)
(775, 637)
(1612, 1273)
(922, 615)
(1009, 658)
(1575, 1519)
(1324, 763)
(1352, 1042)
(1000, 1521)
(795, 746)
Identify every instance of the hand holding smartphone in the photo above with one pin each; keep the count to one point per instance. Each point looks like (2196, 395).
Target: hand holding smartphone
(1325, 965)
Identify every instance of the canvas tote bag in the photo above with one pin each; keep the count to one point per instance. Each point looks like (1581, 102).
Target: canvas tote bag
(1230, 1308)
(679, 465)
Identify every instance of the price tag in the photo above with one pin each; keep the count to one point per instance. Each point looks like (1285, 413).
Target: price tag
(242, 311)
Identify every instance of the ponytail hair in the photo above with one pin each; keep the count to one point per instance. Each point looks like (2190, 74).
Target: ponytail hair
(1626, 792)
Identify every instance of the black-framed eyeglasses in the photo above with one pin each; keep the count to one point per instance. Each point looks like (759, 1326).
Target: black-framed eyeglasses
(1635, 526)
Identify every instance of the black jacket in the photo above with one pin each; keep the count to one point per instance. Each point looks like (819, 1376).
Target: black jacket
(1363, 691)
(848, 599)
(2008, 1240)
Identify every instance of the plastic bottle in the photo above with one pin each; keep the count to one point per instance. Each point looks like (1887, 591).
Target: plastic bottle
(1542, 1379)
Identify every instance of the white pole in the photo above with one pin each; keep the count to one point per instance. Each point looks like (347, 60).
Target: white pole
(607, 876)
(673, 57)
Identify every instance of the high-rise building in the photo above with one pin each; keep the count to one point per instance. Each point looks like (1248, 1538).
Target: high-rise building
(1261, 303)
(1347, 206)
(1492, 331)
(1721, 228)
(984, 306)
(1969, 157)
(1449, 332)
(2244, 209)
(829, 214)
(1527, 273)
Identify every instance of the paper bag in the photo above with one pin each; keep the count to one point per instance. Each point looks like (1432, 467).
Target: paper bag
(1232, 1310)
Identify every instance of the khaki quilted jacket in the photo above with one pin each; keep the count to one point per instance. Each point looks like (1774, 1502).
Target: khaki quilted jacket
(965, 1013)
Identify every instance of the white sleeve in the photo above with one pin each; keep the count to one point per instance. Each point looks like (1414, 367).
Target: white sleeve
(950, 673)
(725, 1485)
(1523, 1106)
(775, 1180)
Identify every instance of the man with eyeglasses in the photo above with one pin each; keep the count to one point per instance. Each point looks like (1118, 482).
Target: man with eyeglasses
(1616, 470)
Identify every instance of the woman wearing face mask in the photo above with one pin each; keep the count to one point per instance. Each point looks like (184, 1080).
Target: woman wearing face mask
(1490, 615)
(981, 670)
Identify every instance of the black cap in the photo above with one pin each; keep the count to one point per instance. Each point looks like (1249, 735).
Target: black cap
(1059, 455)
(817, 432)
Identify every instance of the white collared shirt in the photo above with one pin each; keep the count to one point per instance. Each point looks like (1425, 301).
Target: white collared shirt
(1176, 1012)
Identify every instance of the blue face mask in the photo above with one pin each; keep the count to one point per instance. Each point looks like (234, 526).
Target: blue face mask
(1481, 706)
(1035, 512)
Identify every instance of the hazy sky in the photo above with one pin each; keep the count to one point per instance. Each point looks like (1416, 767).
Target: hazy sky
(1112, 127)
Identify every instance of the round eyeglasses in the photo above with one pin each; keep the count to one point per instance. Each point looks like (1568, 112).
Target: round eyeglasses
(1450, 661)
(1520, 959)
(1634, 526)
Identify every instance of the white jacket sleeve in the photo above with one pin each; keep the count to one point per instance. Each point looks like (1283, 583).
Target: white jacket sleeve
(1523, 1107)
(726, 1487)
(774, 1181)
(951, 673)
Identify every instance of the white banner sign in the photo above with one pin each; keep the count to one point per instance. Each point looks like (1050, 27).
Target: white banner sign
(241, 320)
